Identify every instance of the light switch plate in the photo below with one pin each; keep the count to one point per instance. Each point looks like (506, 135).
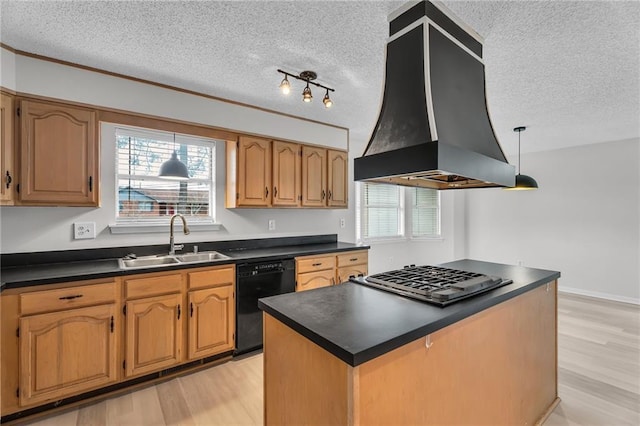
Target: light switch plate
(84, 230)
(272, 224)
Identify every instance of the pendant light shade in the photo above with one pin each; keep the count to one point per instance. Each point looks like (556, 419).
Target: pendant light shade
(523, 182)
(174, 169)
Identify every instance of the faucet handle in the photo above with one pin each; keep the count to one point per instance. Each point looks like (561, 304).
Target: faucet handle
(178, 247)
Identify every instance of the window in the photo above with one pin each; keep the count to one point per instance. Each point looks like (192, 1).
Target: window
(143, 197)
(380, 212)
(425, 212)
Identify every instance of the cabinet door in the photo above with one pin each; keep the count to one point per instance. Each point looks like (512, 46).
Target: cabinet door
(343, 274)
(211, 321)
(67, 352)
(337, 182)
(154, 333)
(311, 280)
(59, 155)
(314, 177)
(286, 174)
(7, 172)
(254, 172)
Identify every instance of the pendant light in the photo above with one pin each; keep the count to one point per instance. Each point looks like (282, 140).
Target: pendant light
(523, 182)
(174, 169)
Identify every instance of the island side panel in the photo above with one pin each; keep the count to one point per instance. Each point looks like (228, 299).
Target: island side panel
(497, 367)
(303, 383)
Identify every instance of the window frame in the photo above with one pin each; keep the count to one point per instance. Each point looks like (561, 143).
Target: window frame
(406, 217)
(123, 225)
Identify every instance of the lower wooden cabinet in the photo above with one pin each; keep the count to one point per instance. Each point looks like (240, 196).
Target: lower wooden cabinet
(211, 321)
(154, 333)
(68, 352)
(329, 269)
(311, 280)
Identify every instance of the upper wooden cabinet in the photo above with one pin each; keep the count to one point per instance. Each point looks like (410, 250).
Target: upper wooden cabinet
(58, 155)
(337, 182)
(7, 170)
(286, 174)
(249, 172)
(263, 173)
(314, 176)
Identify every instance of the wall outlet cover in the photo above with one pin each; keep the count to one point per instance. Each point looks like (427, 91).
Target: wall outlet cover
(272, 224)
(84, 230)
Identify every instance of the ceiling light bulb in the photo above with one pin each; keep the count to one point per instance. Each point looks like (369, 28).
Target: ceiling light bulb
(285, 86)
(327, 100)
(306, 94)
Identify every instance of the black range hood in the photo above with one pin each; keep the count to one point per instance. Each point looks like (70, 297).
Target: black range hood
(434, 129)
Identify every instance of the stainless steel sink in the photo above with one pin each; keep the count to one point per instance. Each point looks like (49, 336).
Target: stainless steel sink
(168, 260)
(205, 256)
(147, 262)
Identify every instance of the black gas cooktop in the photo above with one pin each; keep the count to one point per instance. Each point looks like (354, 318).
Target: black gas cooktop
(433, 284)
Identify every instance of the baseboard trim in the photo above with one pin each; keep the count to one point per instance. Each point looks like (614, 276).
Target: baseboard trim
(598, 295)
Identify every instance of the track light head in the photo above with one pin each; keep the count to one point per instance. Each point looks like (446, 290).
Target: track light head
(327, 100)
(285, 87)
(306, 94)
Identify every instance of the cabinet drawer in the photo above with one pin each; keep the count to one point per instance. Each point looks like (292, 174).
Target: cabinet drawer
(315, 263)
(149, 286)
(312, 280)
(352, 258)
(211, 278)
(66, 298)
(350, 271)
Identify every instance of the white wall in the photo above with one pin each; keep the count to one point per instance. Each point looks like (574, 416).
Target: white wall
(26, 229)
(584, 221)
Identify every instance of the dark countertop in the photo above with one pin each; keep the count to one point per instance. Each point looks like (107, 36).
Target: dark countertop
(30, 274)
(357, 323)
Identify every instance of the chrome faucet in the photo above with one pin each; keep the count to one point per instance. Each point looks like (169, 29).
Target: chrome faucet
(173, 247)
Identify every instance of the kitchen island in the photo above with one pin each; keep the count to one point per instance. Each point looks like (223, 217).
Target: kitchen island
(352, 354)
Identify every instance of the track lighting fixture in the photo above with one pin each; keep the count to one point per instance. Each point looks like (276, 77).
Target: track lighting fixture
(308, 77)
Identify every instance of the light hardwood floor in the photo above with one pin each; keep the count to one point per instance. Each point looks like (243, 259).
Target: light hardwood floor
(599, 380)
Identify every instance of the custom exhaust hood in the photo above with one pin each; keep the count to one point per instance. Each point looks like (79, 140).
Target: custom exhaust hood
(434, 129)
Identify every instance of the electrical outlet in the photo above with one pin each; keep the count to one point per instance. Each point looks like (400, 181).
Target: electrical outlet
(272, 224)
(84, 230)
(342, 222)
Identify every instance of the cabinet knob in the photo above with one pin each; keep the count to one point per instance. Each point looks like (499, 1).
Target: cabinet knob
(8, 179)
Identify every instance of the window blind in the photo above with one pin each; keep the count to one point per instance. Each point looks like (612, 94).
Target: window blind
(425, 214)
(381, 212)
(143, 196)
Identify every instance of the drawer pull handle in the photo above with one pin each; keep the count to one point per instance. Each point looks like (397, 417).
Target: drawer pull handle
(316, 264)
(75, 296)
(353, 259)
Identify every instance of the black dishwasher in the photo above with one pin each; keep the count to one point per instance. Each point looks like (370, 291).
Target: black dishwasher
(254, 281)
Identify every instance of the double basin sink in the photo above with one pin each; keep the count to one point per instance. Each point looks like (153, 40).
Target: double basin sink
(144, 262)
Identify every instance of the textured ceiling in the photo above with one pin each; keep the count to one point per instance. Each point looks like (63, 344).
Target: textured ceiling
(569, 70)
